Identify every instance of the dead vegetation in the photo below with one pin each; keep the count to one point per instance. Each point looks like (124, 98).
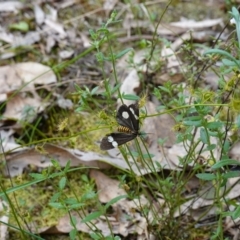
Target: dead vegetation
(66, 67)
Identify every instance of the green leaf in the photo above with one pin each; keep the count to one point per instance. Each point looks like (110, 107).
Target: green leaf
(231, 174)
(214, 125)
(238, 121)
(71, 201)
(73, 220)
(228, 62)
(203, 135)
(114, 89)
(206, 176)
(56, 205)
(122, 53)
(62, 183)
(55, 197)
(225, 214)
(161, 141)
(94, 90)
(67, 167)
(225, 162)
(103, 30)
(22, 186)
(227, 146)
(73, 234)
(114, 200)
(148, 156)
(193, 123)
(84, 178)
(92, 33)
(117, 238)
(21, 26)
(55, 163)
(235, 12)
(211, 147)
(193, 118)
(135, 154)
(212, 133)
(236, 212)
(92, 216)
(224, 53)
(95, 236)
(88, 195)
(37, 176)
(164, 89)
(130, 97)
(76, 206)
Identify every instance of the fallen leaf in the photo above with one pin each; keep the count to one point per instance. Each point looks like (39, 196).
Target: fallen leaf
(23, 108)
(39, 14)
(10, 6)
(192, 24)
(108, 188)
(23, 76)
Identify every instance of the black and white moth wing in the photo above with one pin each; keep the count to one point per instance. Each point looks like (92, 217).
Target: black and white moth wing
(134, 109)
(128, 116)
(114, 140)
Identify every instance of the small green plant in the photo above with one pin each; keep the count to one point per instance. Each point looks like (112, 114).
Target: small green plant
(204, 120)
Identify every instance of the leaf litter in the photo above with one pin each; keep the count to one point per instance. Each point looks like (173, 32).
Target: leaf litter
(19, 89)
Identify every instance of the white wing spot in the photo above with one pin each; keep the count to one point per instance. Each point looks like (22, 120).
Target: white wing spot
(125, 115)
(110, 139)
(115, 144)
(132, 110)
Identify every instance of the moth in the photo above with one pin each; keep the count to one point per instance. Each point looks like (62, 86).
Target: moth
(128, 119)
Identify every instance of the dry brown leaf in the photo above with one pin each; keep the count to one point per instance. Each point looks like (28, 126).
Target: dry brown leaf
(159, 127)
(66, 54)
(176, 77)
(64, 225)
(25, 75)
(235, 233)
(39, 14)
(50, 43)
(108, 188)
(17, 162)
(203, 201)
(3, 97)
(234, 185)
(8, 143)
(66, 3)
(28, 39)
(22, 77)
(23, 108)
(10, 6)
(235, 151)
(174, 70)
(109, 5)
(203, 213)
(56, 27)
(130, 85)
(229, 221)
(119, 222)
(180, 150)
(6, 37)
(192, 24)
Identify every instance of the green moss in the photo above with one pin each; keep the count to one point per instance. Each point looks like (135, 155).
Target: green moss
(30, 205)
